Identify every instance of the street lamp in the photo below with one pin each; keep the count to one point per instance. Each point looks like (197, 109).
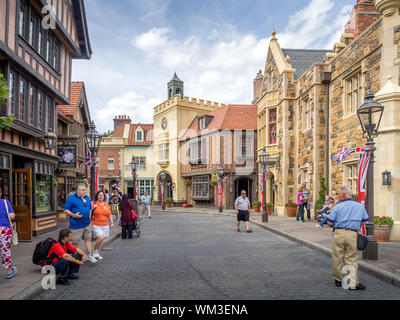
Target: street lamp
(134, 164)
(367, 114)
(163, 176)
(93, 141)
(220, 176)
(50, 139)
(263, 162)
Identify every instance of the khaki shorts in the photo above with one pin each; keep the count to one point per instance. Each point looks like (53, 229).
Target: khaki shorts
(84, 234)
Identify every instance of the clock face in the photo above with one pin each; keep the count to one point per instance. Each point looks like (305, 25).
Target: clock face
(164, 123)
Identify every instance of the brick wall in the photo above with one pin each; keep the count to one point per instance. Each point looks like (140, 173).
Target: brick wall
(104, 154)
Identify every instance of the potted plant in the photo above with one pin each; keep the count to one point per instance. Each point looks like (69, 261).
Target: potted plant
(269, 207)
(169, 202)
(214, 180)
(291, 209)
(383, 228)
(256, 206)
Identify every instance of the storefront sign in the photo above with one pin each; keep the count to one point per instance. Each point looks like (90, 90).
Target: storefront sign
(67, 156)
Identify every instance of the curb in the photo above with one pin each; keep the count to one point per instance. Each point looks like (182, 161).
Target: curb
(383, 275)
(36, 289)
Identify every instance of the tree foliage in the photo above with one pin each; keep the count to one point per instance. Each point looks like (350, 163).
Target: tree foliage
(5, 122)
(108, 133)
(322, 193)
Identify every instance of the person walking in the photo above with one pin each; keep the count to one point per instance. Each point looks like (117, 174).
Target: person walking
(6, 215)
(79, 208)
(307, 200)
(127, 222)
(346, 218)
(115, 201)
(65, 258)
(145, 199)
(300, 203)
(101, 222)
(242, 206)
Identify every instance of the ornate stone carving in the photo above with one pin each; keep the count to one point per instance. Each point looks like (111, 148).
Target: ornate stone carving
(387, 7)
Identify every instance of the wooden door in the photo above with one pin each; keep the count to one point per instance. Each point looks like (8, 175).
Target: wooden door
(22, 202)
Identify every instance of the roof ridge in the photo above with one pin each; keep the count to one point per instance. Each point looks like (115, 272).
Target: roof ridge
(309, 50)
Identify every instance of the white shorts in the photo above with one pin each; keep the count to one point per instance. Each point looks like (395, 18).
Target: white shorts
(101, 231)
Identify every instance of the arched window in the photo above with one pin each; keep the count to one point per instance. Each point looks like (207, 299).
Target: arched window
(178, 91)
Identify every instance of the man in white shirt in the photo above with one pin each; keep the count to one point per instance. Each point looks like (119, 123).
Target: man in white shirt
(145, 199)
(242, 206)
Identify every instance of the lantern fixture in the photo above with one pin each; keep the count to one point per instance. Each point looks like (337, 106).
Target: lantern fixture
(368, 113)
(133, 164)
(50, 138)
(387, 178)
(220, 171)
(93, 139)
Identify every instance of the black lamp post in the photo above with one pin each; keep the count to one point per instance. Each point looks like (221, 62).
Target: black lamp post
(50, 139)
(163, 176)
(93, 141)
(368, 113)
(220, 176)
(263, 162)
(134, 164)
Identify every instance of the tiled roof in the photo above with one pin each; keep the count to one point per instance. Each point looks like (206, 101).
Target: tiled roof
(231, 117)
(75, 94)
(302, 59)
(148, 138)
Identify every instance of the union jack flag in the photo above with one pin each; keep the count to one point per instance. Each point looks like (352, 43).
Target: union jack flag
(89, 159)
(363, 164)
(358, 150)
(341, 155)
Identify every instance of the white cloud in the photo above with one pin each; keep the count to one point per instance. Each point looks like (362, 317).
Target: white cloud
(314, 26)
(218, 66)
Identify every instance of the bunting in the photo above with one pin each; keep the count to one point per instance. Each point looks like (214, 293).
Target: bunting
(363, 164)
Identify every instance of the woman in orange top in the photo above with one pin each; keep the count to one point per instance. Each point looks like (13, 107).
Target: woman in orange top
(101, 215)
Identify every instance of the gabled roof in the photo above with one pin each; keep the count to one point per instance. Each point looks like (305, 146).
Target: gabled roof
(77, 96)
(231, 117)
(148, 138)
(302, 59)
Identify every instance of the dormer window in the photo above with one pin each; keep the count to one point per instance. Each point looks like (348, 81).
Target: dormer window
(139, 136)
(204, 122)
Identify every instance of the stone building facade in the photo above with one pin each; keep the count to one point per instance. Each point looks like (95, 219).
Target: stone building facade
(307, 110)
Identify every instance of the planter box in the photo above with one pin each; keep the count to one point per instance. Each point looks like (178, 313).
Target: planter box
(256, 209)
(382, 233)
(269, 211)
(291, 212)
(168, 204)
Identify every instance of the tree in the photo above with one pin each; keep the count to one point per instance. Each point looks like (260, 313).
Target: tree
(322, 193)
(5, 122)
(108, 134)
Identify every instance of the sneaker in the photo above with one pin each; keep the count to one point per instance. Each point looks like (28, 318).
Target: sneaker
(150, 217)
(318, 225)
(63, 281)
(73, 276)
(98, 257)
(91, 258)
(249, 231)
(12, 274)
(338, 283)
(238, 230)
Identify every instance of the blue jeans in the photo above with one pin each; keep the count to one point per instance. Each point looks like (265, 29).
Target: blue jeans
(321, 213)
(300, 212)
(324, 221)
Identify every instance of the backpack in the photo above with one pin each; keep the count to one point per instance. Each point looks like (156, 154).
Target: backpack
(42, 250)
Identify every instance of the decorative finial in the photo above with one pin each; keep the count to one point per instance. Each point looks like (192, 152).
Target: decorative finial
(287, 59)
(273, 34)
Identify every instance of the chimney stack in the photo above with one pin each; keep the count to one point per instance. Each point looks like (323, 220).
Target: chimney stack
(363, 15)
(258, 85)
(119, 125)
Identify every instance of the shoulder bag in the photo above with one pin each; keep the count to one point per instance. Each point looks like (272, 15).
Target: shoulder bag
(362, 242)
(14, 233)
(134, 215)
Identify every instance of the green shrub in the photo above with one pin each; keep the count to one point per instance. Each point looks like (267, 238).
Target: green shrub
(256, 204)
(322, 193)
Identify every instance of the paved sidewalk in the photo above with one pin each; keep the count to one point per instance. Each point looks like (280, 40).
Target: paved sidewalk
(386, 268)
(27, 281)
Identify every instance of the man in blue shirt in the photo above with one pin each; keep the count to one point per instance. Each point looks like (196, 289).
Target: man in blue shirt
(79, 208)
(346, 218)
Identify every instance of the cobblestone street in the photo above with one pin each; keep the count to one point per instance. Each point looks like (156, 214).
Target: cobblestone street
(195, 256)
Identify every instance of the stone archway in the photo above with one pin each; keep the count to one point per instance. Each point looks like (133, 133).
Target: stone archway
(168, 191)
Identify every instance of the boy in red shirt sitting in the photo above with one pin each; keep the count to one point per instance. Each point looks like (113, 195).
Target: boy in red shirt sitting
(65, 258)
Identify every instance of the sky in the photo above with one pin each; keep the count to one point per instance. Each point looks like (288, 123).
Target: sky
(215, 46)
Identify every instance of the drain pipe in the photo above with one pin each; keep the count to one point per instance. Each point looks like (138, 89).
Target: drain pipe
(326, 78)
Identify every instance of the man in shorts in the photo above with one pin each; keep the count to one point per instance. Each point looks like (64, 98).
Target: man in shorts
(242, 206)
(79, 208)
(145, 199)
